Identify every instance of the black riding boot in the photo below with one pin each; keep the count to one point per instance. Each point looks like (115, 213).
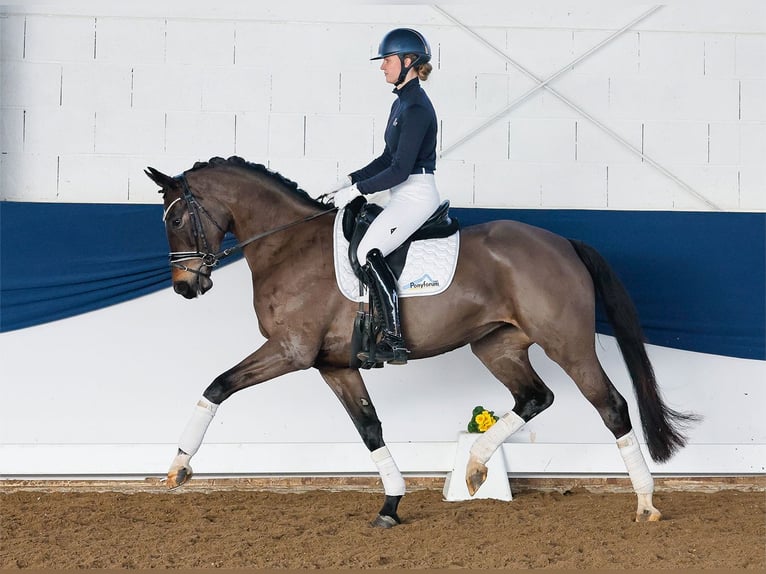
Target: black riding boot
(382, 284)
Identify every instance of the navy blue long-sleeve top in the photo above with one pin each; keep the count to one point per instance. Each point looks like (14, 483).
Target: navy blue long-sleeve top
(410, 142)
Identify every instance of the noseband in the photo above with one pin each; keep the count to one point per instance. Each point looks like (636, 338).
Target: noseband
(210, 259)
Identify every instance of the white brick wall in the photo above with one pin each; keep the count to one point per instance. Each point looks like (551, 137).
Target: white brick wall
(90, 93)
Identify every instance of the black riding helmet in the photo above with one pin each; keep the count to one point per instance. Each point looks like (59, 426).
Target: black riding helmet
(403, 41)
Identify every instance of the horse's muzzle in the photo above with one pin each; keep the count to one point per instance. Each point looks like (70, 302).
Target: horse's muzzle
(191, 285)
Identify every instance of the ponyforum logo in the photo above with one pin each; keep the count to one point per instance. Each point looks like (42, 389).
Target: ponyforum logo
(423, 282)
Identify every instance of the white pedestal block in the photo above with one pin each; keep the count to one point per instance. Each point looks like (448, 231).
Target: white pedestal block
(496, 486)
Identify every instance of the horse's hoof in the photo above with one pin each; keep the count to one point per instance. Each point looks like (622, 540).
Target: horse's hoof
(179, 477)
(382, 521)
(475, 476)
(648, 515)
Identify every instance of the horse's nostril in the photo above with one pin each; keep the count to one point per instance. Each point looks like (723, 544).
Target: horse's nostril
(183, 289)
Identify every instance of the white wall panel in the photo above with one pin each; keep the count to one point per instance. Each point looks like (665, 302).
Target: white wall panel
(640, 187)
(252, 139)
(93, 178)
(619, 56)
(12, 37)
(315, 90)
(542, 140)
(684, 142)
(717, 183)
(720, 55)
(287, 135)
(679, 65)
(60, 39)
(458, 52)
(492, 94)
(454, 91)
(585, 92)
(455, 179)
(702, 99)
(752, 99)
(492, 143)
(257, 43)
(751, 56)
(30, 84)
(129, 132)
(753, 143)
(200, 135)
(93, 86)
(541, 52)
(335, 136)
(54, 130)
(581, 186)
(29, 176)
(12, 123)
(199, 42)
(230, 89)
(688, 54)
(752, 183)
(725, 142)
(130, 40)
(365, 91)
(596, 146)
(167, 88)
(506, 182)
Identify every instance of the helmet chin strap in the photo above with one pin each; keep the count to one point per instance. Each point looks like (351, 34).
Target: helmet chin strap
(405, 69)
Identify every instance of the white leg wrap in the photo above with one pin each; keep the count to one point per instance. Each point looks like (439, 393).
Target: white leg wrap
(488, 443)
(638, 471)
(393, 482)
(191, 438)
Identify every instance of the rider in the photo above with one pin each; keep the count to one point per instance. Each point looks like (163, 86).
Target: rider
(406, 167)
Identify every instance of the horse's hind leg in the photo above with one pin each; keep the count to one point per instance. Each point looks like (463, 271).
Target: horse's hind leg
(505, 353)
(589, 376)
(350, 389)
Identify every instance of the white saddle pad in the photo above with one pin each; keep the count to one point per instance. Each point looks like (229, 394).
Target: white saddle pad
(429, 269)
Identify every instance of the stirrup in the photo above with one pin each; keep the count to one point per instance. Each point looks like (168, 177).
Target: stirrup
(390, 349)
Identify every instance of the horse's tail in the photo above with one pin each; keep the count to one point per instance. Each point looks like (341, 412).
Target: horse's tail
(661, 424)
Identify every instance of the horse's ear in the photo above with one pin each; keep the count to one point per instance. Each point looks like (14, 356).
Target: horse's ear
(164, 181)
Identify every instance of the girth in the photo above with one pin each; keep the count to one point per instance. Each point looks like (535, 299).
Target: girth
(360, 214)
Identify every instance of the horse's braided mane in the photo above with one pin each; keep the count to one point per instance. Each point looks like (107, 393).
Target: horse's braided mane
(261, 169)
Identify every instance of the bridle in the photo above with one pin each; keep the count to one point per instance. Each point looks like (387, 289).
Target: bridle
(210, 259)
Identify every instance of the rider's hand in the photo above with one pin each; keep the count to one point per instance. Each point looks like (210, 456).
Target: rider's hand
(331, 190)
(344, 196)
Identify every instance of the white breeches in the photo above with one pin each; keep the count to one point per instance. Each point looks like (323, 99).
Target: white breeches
(412, 203)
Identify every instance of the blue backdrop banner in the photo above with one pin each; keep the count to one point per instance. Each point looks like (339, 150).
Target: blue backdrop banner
(698, 279)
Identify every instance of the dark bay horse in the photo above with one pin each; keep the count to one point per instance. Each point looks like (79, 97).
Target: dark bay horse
(515, 285)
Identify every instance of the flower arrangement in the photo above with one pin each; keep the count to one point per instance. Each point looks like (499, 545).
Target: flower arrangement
(481, 420)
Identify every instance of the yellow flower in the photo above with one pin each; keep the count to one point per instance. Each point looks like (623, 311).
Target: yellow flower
(484, 420)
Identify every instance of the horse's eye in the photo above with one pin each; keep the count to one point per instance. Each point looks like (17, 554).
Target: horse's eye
(176, 223)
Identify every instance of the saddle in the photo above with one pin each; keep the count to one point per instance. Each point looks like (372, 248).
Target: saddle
(360, 214)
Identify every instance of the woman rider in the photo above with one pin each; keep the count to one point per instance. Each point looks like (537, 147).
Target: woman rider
(406, 167)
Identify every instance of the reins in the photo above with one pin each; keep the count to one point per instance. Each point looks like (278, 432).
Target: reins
(212, 259)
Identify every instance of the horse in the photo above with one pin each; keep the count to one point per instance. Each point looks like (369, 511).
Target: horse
(514, 285)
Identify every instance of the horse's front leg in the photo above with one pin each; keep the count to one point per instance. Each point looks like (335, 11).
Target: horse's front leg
(273, 359)
(349, 387)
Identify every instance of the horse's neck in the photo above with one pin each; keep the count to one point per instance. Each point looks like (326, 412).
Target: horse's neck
(265, 205)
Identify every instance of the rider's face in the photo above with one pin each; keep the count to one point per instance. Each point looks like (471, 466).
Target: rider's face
(391, 66)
